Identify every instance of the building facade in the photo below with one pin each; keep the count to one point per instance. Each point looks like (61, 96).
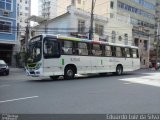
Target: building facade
(75, 22)
(141, 13)
(51, 8)
(8, 30)
(23, 13)
(142, 16)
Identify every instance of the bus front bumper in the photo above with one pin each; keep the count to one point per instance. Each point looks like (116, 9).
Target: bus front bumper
(33, 73)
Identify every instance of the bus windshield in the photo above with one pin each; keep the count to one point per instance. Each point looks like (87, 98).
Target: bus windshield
(35, 49)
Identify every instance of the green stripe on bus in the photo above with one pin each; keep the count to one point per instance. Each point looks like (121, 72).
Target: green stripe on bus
(62, 61)
(101, 62)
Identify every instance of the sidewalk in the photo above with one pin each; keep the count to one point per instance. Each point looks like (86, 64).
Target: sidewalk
(13, 69)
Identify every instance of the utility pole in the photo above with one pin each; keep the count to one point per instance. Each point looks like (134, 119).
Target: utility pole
(27, 36)
(157, 46)
(91, 21)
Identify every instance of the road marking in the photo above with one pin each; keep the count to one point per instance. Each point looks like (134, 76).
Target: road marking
(4, 86)
(144, 81)
(127, 83)
(18, 99)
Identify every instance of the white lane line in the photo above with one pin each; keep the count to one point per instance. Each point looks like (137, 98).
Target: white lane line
(18, 99)
(4, 86)
(127, 83)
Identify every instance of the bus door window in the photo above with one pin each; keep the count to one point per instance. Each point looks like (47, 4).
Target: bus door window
(82, 48)
(107, 50)
(51, 48)
(67, 47)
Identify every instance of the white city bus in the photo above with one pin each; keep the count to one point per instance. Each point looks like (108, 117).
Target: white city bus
(56, 55)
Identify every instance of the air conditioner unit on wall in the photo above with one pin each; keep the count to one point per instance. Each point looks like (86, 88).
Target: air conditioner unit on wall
(5, 13)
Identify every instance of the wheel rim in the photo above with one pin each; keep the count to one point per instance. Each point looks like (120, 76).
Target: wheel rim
(119, 71)
(70, 73)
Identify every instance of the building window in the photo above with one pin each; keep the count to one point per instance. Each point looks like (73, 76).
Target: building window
(73, 2)
(26, 8)
(126, 38)
(113, 37)
(79, 1)
(111, 4)
(81, 26)
(26, 14)
(6, 5)
(135, 10)
(99, 29)
(5, 26)
(145, 45)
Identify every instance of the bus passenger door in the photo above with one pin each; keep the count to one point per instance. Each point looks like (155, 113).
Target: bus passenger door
(51, 54)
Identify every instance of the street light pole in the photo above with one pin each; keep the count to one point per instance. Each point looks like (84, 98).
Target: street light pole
(27, 35)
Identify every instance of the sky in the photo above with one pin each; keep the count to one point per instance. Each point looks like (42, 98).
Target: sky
(34, 7)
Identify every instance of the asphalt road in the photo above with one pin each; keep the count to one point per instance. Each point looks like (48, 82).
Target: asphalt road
(129, 93)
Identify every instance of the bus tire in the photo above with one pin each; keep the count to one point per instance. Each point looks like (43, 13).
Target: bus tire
(119, 70)
(69, 73)
(54, 77)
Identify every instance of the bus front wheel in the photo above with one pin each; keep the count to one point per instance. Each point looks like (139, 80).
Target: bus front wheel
(119, 70)
(69, 73)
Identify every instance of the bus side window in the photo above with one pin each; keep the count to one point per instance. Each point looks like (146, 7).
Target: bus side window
(137, 53)
(134, 51)
(96, 50)
(123, 52)
(113, 51)
(118, 52)
(127, 52)
(108, 50)
(131, 52)
(67, 47)
(82, 48)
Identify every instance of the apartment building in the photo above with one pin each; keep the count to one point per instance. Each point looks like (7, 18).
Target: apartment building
(51, 8)
(78, 22)
(23, 12)
(142, 16)
(8, 30)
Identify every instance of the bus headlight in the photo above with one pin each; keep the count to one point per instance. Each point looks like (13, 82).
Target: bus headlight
(38, 66)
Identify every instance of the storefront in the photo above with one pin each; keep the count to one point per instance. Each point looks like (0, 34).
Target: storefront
(6, 52)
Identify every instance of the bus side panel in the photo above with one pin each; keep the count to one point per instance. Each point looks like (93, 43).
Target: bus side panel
(82, 63)
(52, 67)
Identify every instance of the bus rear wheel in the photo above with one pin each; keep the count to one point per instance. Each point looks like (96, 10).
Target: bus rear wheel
(69, 73)
(119, 70)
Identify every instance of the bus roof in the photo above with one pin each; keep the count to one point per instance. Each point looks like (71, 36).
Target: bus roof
(87, 40)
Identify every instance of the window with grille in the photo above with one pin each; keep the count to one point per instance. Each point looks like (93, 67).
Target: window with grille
(6, 5)
(81, 26)
(5, 26)
(99, 29)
